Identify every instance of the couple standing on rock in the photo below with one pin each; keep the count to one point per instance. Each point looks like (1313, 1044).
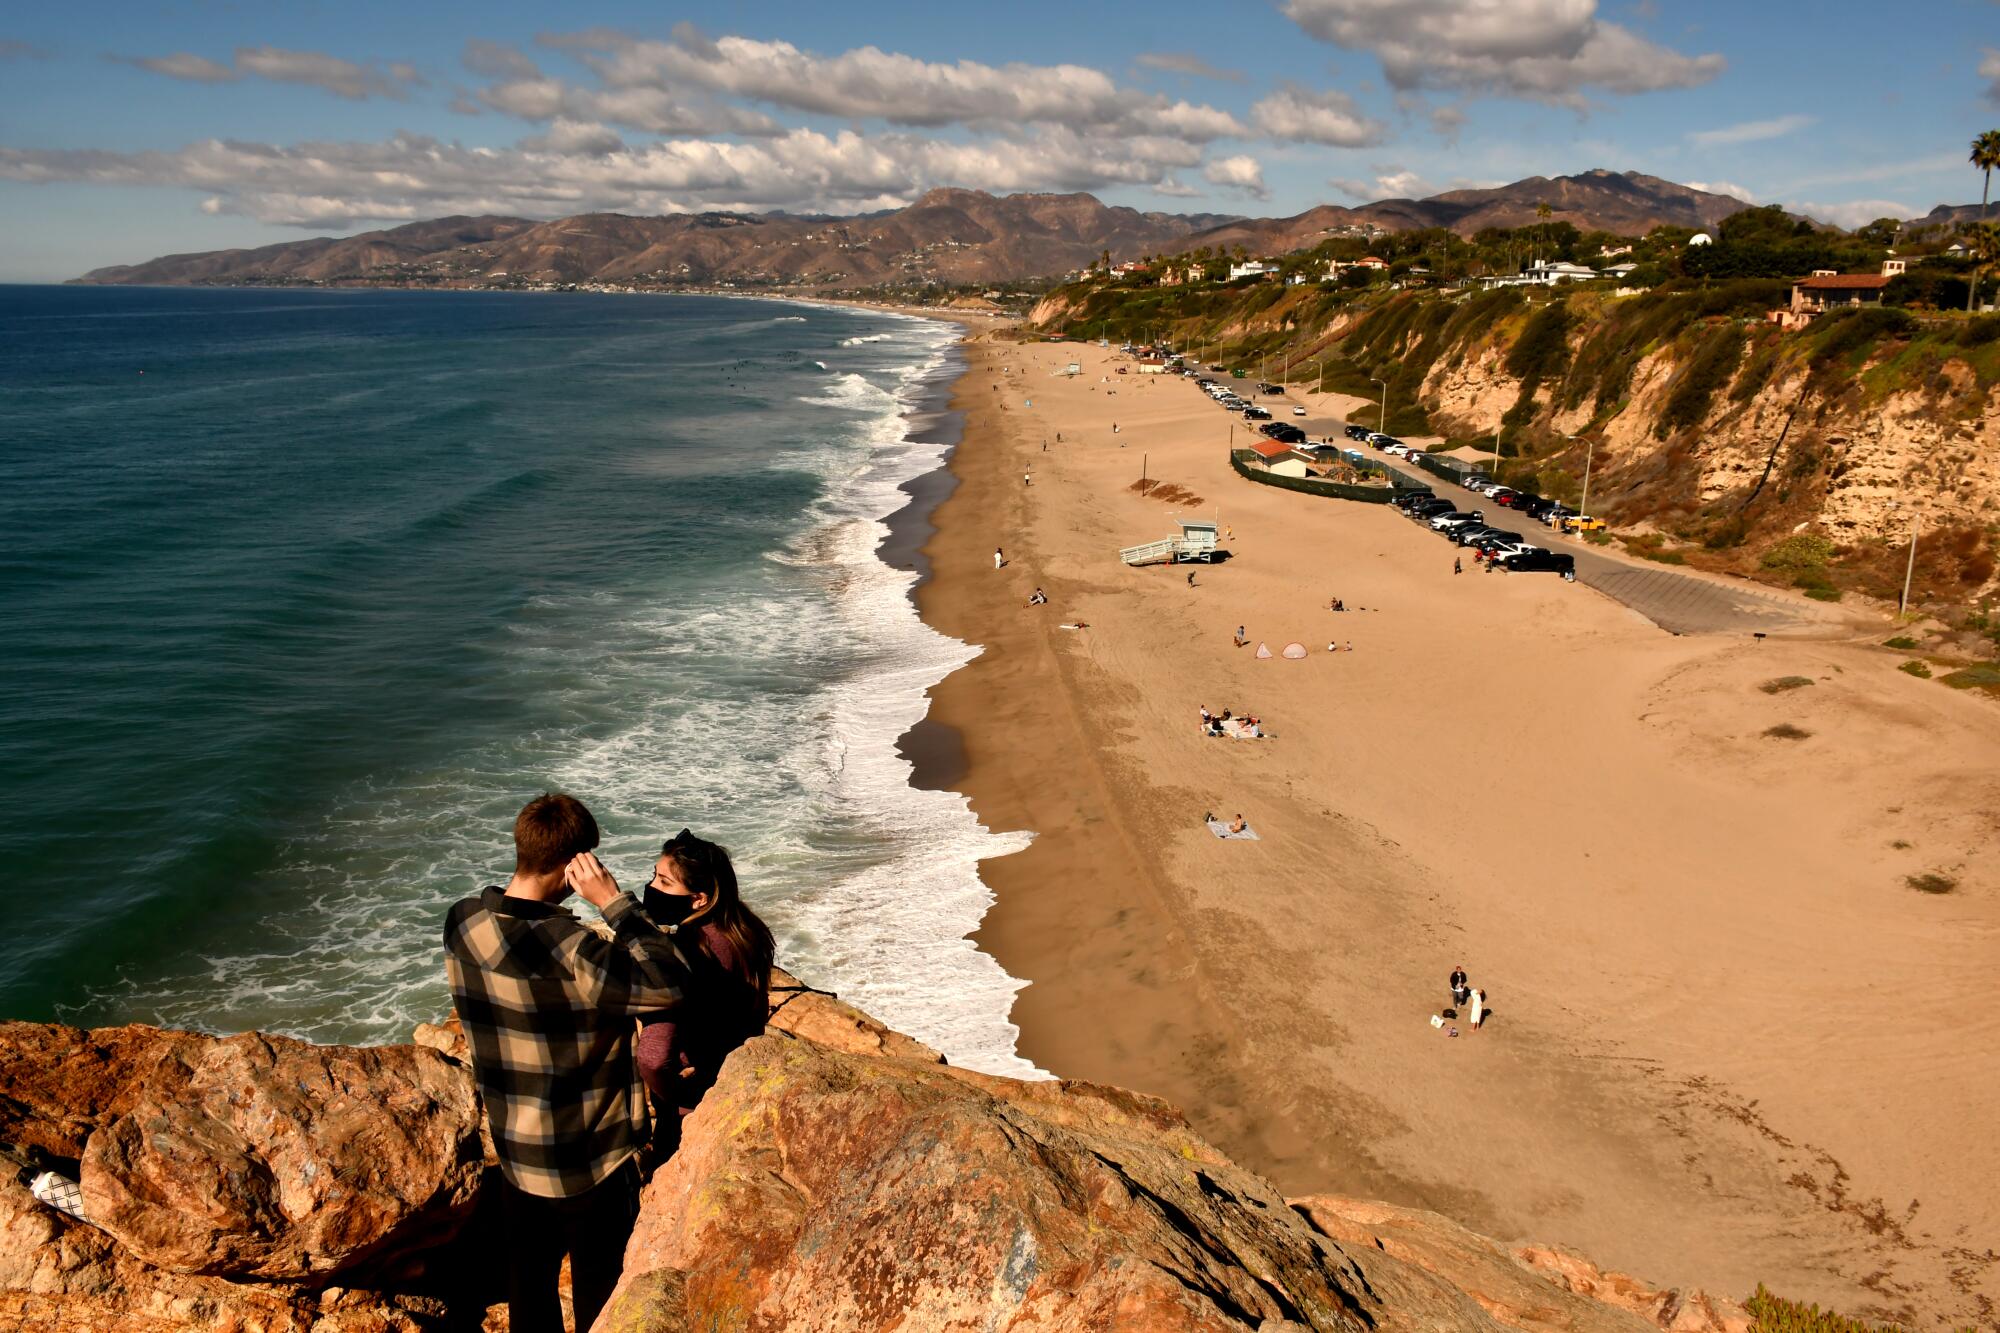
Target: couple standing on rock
(575, 1032)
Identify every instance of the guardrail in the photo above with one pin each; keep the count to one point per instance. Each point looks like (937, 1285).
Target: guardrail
(1339, 490)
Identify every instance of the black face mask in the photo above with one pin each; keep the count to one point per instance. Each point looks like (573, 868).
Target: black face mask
(669, 909)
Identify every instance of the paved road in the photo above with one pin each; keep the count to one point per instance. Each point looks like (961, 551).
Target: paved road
(1677, 602)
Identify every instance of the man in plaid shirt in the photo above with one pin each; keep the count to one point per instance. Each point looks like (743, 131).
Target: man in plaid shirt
(548, 1005)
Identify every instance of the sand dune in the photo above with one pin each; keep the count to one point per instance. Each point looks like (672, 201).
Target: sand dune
(1730, 1043)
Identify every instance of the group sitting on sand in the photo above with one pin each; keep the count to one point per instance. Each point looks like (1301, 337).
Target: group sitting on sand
(563, 1018)
(1225, 724)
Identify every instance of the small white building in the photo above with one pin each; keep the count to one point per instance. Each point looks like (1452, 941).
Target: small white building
(1254, 268)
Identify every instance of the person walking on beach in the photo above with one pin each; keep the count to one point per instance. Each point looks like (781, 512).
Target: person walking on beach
(1478, 1015)
(1457, 565)
(693, 893)
(1459, 993)
(1190, 578)
(998, 558)
(1027, 478)
(1241, 637)
(548, 1005)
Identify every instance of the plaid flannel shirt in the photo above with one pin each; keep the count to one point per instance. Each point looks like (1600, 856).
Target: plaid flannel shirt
(548, 1007)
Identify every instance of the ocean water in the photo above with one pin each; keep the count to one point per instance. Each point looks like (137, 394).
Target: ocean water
(302, 594)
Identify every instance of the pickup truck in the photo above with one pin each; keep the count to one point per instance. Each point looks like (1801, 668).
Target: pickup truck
(1582, 523)
(1535, 558)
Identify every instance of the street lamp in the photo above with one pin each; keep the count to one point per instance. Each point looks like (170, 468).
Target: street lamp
(1910, 569)
(1583, 505)
(1383, 424)
(1322, 376)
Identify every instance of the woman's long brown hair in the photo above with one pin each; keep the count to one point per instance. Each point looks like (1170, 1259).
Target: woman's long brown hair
(705, 868)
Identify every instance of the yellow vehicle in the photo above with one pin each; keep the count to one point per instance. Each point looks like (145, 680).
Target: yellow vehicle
(1582, 523)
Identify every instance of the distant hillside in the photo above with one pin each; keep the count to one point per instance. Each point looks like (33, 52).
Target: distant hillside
(949, 236)
(1626, 202)
(1956, 215)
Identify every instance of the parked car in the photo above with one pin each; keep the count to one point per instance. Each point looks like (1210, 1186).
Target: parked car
(1457, 518)
(1358, 433)
(1430, 507)
(1535, 558)
(1410, 497)
(1496, 541)
(1472, 481)
(1298, 411)
(1534, 506)
(1582, 523)
(1255, 414)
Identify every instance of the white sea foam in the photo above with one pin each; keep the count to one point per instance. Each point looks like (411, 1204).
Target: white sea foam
(763, 711)
(863, 338)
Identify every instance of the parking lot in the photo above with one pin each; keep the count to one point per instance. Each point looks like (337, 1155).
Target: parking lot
(1678, 602)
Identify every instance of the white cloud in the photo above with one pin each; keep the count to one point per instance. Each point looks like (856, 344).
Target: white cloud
(1545, 50)
(1989, 69)
(1179, 62)
(1854, 213)
(1299, 115)
(1734, 191)
(585, 137)
(654, 110)
(580, 169)
(1751, 131)
(1241, 172)
(497, 60)
(1390, 182)
(870, 83)
(183, 65)
(316, 69)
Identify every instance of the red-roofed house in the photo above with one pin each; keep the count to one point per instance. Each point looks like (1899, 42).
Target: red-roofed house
(1825, 291)
(1279, 458)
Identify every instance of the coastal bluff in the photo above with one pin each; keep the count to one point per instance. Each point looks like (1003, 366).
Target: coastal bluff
(840, 1176)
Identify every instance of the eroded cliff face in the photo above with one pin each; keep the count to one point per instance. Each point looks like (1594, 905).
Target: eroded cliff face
(840, 1176)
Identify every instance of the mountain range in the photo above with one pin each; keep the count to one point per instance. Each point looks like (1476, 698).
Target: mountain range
(948, 236)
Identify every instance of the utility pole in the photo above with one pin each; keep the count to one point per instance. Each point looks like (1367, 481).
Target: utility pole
(1383, 424)
(1583, 505)
(1322, 375)
(1910, 569)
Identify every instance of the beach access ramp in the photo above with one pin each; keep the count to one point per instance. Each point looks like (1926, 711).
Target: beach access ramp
(1196, 542)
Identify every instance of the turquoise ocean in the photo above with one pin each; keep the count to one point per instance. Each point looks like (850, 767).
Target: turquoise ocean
(303, 593)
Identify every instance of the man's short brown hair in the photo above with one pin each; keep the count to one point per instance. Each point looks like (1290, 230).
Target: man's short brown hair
(550, 830)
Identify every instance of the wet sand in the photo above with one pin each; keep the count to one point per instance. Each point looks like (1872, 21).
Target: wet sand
(1730, 1044)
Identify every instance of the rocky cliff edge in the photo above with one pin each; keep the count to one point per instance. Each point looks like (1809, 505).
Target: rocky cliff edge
(840, 1176)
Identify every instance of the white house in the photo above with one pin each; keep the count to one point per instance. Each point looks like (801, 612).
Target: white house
(1336, 267)
(1255, 268)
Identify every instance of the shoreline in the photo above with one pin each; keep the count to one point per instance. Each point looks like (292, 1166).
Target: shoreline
(1277, 991)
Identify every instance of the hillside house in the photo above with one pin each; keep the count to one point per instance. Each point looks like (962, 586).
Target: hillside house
(1826, 290)
(1336, 267)
(1254, 268)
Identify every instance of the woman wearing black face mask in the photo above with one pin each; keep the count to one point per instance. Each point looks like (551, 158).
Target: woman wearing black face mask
(693, 893)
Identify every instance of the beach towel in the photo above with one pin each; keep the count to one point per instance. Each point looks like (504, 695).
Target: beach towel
(1240, 731)
(1263, 650)
(1295, 651)
(1220, 828)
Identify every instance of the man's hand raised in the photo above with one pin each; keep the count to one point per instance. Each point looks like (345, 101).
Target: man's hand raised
(592, 882)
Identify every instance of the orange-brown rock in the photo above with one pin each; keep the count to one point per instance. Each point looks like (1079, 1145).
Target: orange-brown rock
(822, 1191)
(56, 1274)
(58, 1083)
(1531, 1288)
(276, 1158)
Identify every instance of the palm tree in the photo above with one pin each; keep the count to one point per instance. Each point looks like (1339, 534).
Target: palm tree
(1985, 156)
(1542, 215)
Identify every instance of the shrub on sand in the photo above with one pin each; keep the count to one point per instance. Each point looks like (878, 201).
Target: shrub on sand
(1921, 670)
(1785, 731)
(1780, 684)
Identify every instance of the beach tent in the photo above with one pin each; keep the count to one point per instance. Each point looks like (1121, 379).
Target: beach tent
(1263, 650)
(1295, 651)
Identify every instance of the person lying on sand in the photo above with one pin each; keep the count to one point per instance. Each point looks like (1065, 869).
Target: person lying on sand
(1038, 598)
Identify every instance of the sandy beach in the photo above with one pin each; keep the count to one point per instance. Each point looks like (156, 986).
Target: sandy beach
(1729, 1044)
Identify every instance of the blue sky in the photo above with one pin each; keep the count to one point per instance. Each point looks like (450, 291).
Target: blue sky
(131, 130)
